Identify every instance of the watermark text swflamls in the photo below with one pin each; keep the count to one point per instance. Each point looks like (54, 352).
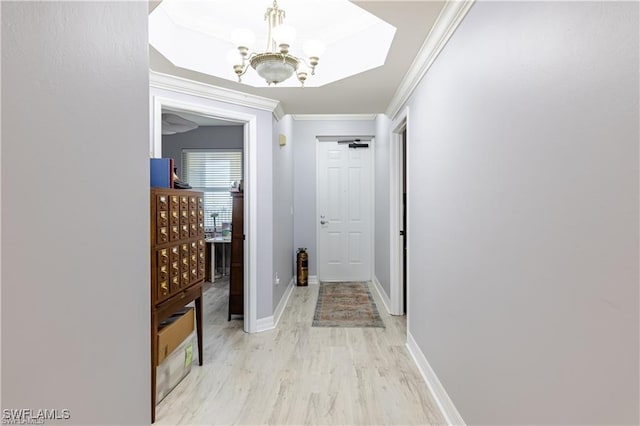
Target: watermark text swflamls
(29, 416)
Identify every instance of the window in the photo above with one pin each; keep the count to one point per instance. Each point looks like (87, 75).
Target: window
(212, 171)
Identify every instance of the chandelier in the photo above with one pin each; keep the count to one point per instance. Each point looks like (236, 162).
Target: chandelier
(276, 64)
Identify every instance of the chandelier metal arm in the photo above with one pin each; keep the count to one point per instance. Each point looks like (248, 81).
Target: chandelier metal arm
(313, 61)
(241, 69)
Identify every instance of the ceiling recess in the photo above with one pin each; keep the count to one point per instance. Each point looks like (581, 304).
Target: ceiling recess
(198, 36)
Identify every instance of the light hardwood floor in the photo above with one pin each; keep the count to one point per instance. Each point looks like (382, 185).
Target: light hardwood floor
(298, 374)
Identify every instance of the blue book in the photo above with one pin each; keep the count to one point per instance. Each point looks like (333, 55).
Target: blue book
(161, 171)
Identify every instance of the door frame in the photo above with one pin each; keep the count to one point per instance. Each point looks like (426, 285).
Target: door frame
(398, 125)
(370, 140)
(250, 158)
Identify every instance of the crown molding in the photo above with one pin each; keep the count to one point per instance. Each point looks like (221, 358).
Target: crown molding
(326, 117)
(203, 90)
(278, 112)
(446, 24)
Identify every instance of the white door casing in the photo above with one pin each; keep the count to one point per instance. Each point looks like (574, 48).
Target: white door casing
(250, 158)
(344, 212)
(396, 293)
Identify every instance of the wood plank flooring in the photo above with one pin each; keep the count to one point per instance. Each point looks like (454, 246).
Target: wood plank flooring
(298, 374)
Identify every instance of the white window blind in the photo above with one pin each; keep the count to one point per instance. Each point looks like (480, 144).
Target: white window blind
(212, 171)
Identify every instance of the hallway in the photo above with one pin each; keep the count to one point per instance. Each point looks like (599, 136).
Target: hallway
(298, 374)
(523, 198)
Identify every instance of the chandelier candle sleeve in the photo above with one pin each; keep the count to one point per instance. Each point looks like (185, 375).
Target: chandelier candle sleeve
(276, 64)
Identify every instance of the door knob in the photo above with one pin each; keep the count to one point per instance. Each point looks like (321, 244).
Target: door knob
(324, 222)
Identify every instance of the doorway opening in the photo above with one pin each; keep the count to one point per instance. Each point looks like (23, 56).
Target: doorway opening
(207, 154)
(399, 214)
(403, 224)
(191, 114)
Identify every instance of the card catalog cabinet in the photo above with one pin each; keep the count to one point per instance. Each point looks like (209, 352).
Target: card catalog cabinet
(177, 262)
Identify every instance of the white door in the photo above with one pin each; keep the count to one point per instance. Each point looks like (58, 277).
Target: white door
(344, 212)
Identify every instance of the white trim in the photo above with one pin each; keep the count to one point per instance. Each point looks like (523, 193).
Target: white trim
(250, 153)
(155, 148)
(277, 313)
(207, 91)
(163, 101)
(396, 289)
(341, 117)
(372, 216)
(278, 112)
(446, 406)
(315, 213)
(265, 324)
(447, 22)
(383, 296)
(250, 223)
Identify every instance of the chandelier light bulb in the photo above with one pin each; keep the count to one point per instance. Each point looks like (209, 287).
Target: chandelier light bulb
(303, 72)
(243, 37)
(302, 68)
(284, 34)
(233, 57)
(314, 48)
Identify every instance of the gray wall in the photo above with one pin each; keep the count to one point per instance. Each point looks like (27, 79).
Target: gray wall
(282, 207)
(304, 169)
(204, 137)
(264, 231)
(382, 207)
(523, 243)
(75, 210)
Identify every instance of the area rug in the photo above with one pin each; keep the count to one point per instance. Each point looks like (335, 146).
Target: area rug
(346, 304)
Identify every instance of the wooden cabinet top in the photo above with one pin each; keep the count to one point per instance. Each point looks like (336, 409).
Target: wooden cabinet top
(171, 191)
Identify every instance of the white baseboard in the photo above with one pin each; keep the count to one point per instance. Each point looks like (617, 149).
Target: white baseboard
(271, 322)
(277, 314)
(265, 324)
(383, 296)
(448, 410)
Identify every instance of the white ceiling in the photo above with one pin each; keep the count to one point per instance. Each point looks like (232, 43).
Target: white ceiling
(366, 92)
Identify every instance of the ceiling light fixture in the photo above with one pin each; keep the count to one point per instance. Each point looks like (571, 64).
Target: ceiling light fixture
(276, 64)
(172, 124)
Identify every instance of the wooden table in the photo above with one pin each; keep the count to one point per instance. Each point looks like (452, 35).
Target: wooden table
(211, 255)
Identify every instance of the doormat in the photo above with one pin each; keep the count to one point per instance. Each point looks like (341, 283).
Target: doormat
(346, 304)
